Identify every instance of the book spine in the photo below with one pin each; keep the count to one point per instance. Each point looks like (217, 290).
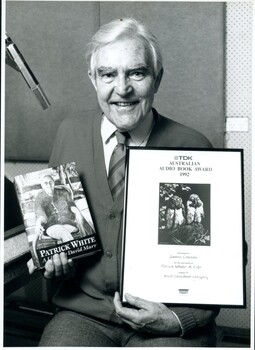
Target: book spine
(18, 185)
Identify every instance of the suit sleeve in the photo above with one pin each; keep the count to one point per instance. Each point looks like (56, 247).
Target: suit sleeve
(63, 147)
(58, 144)
(194, 318)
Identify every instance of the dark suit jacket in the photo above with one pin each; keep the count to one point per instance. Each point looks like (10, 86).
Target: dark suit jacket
(79, 140)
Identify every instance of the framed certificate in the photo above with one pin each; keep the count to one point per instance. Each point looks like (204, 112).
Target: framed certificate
(183, 232)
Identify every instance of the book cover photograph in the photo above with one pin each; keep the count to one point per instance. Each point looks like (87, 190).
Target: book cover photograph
(183, 230)
(56, 214)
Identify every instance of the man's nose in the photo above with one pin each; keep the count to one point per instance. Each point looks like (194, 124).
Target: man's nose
(123, 86)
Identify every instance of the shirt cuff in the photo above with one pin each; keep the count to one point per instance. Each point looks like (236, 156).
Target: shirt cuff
(186, 320)
(178, 321)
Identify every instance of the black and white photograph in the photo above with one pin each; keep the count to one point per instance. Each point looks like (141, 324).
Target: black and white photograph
(184, 214)
(153, 103)
(193, 220)
(55, 213)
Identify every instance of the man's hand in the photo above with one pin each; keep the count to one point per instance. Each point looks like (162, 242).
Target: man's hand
(147, 316)
(58, 266)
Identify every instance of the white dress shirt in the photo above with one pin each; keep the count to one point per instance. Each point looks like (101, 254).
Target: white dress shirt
(138, 137)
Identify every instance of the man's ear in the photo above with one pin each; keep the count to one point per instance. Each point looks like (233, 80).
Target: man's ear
(92, 79)
(158, 80)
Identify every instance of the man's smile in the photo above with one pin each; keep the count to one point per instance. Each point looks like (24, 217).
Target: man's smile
(124, 104)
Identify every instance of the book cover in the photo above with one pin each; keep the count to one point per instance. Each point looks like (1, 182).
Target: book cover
(56, 214)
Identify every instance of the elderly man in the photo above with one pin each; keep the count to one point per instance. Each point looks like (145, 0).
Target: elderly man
(53, 207)
(125, 67)
(57, 215)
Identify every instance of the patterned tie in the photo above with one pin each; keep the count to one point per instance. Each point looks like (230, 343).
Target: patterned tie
(116, 176)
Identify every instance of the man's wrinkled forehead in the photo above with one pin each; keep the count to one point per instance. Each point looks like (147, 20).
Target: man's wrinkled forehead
(98, 63)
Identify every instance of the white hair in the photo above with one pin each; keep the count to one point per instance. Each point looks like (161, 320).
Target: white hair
(119, 29)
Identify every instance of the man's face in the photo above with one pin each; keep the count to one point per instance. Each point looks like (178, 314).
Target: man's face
(48, 185)
(125, 83)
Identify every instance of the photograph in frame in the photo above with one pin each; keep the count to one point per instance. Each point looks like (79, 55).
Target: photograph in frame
(184, 214)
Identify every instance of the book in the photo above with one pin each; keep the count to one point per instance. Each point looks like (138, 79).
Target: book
(56, 214)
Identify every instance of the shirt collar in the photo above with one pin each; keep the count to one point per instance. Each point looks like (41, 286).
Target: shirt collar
(137, 135)
(107, 129)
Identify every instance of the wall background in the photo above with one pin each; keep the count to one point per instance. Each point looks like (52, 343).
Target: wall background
(238, 92)
(52, 37)
(238, 31)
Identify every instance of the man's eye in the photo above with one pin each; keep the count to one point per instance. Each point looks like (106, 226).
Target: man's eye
(137, 75)
(107, 77)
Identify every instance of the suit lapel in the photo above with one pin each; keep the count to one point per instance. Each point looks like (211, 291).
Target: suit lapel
(153, 138)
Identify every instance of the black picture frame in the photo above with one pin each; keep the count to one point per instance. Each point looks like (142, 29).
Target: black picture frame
(183, 230)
